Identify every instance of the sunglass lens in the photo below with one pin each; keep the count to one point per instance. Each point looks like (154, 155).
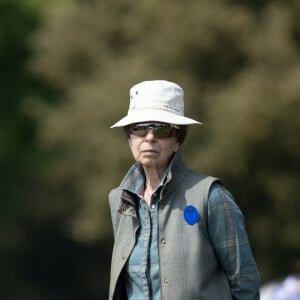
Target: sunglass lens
(160, 130)
(138, 130)
(163, 132)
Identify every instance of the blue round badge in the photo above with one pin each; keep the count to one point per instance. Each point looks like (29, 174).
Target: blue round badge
(191, 215)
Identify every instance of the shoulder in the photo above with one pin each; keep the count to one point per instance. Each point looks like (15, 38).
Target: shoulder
(114, 197)
(114, 192)
(220, 200)
(202, 182)
(218, 192)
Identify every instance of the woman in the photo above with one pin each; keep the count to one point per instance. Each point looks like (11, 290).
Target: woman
(178, 234)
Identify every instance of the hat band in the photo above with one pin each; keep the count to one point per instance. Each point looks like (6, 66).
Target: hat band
(165, 108)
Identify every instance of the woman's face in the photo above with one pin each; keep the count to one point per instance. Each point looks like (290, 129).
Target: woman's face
(150, 150)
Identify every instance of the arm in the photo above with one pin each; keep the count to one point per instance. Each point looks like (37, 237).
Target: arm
(229, 238)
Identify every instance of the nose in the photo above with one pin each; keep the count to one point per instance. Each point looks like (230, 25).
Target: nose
(150, 135)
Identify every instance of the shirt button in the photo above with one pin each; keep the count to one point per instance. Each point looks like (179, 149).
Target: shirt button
(163, 241)
(166, 282)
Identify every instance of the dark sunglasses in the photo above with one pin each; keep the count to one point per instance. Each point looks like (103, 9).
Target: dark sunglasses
(160, 130)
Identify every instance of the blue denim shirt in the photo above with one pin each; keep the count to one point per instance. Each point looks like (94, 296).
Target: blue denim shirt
(226, 232)
(142, 279)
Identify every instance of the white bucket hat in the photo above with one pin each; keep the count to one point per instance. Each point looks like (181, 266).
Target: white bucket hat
(156, 100)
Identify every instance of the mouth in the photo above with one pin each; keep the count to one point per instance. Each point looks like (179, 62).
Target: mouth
(149, 151)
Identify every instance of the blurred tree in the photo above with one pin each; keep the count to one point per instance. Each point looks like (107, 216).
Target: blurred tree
(36, 258)
(239, 65)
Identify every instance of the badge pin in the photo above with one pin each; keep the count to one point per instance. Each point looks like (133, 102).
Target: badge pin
(191, 215)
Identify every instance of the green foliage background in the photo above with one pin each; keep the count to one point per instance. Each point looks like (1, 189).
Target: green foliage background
(66, 68)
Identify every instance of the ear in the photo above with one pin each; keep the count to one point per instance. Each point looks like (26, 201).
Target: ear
(176, 147)
(129, 141)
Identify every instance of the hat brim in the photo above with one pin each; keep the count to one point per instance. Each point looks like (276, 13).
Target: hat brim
(154, 115)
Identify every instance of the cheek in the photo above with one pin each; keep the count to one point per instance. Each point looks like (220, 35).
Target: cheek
(133, 147)
(168, 150)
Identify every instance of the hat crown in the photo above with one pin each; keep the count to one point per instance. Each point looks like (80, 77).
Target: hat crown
(157, 95)
(156, 100)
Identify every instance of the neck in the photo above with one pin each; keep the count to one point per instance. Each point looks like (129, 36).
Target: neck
(152, 181)
(152, 177)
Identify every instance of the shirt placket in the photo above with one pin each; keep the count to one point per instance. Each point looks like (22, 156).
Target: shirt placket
(149, 254)
(153, 252)
(145, 250)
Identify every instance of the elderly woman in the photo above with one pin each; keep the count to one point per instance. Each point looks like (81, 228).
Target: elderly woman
(178, 234)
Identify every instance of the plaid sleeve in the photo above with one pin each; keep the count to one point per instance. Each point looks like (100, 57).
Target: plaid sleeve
(230, 241)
